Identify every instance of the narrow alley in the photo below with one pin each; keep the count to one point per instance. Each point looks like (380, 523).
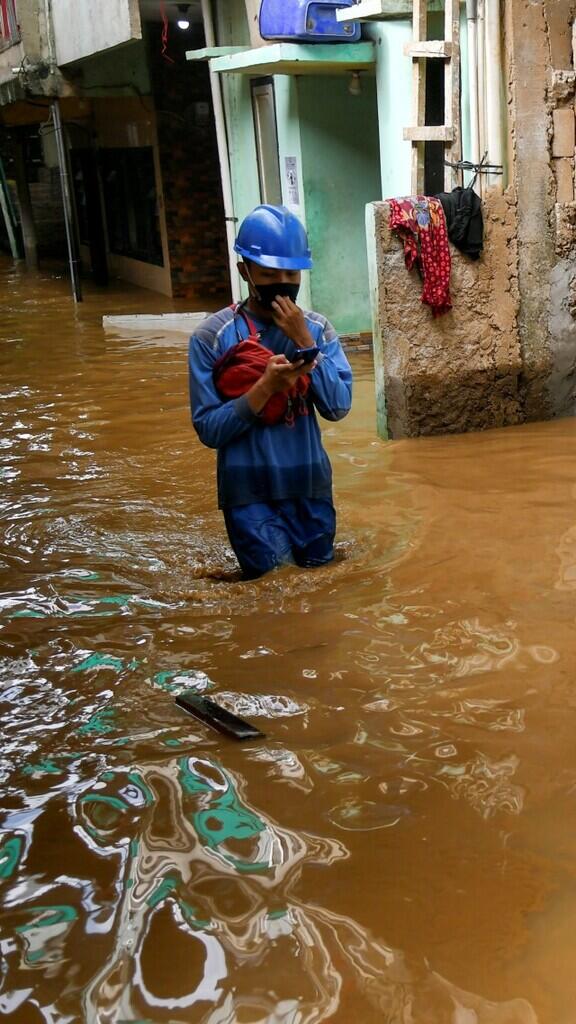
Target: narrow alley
(335, 242)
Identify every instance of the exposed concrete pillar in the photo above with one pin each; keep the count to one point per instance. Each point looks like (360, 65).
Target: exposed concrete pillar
(25, 204)
(541, 85)
(459, 371)
(532, 182)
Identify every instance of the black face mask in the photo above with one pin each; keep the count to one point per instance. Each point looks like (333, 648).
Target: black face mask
(266, 293)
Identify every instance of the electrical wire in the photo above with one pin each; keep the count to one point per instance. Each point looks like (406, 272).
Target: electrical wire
(164, 50)
(482, 168)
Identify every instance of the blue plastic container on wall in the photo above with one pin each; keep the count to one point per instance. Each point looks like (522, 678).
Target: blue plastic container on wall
(307, 21)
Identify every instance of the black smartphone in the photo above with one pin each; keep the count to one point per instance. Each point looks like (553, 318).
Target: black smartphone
(307, 354)
(207, 711)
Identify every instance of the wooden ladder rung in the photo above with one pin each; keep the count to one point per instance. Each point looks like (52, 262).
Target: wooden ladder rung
(433, 48)
(430, 133)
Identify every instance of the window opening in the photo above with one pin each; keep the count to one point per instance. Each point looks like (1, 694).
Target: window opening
(131, 203)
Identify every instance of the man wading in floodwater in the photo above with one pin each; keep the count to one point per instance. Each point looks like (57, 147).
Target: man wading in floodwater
(259, 371)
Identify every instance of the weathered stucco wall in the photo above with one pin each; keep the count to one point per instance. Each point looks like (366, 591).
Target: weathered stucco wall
(34, 42)
(460, 371)
(507, 352)
(542, 134)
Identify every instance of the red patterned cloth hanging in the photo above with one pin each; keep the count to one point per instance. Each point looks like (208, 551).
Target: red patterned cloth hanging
(421, 224)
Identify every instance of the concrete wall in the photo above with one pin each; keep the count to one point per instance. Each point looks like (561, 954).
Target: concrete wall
(117, 72)
(460, 371)
(86, 27)
(10, 57)
(34, 41)
(341, 173)
(541, 89)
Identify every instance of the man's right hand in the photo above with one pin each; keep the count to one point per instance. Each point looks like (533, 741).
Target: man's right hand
(279, 375)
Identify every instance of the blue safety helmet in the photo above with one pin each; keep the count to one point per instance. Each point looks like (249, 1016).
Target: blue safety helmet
(272, 236)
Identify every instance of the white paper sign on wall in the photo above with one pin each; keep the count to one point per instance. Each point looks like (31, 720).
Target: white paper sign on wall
(293, 188)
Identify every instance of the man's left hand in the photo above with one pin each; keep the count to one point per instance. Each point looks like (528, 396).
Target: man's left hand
(290, 319)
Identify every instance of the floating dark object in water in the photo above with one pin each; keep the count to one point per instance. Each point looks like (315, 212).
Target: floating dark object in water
(210, 713)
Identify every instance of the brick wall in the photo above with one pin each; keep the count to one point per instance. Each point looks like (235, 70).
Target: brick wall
(190, 169)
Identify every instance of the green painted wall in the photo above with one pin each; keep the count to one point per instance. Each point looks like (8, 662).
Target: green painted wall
(341, 171)
(290, 146)
(333, 137)
(394, 83)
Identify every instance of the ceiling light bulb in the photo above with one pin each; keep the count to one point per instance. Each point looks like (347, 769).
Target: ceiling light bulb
(183, 21)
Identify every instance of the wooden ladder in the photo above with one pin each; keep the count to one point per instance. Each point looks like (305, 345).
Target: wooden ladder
(421, 50)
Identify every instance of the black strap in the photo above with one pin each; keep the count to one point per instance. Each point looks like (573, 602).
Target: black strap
(240, 311)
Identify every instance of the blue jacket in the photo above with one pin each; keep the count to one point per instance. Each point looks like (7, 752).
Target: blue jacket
(258, 462)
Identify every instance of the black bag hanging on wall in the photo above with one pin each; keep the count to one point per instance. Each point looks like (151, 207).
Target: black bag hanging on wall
(463, 211)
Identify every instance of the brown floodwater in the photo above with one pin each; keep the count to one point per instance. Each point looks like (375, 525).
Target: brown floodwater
(401, 847)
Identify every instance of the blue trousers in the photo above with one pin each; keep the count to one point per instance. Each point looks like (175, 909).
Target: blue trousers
(265, 535)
